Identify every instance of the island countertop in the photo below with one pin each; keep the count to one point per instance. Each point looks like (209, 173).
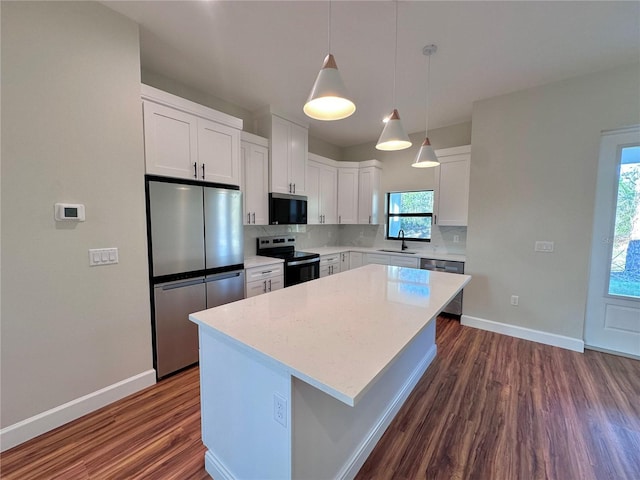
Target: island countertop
(337, 333)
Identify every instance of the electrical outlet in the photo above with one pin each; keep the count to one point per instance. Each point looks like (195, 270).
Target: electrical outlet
(280, 409)
(514, 300)
(456, 238)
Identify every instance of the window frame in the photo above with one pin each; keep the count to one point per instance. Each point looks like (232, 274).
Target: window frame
(388, 214)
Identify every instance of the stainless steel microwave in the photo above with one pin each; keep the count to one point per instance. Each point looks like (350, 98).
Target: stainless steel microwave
(287, 209)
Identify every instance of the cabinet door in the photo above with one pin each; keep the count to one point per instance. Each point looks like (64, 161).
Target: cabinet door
(218, 153)
(329, 194)
(255, 163)
(298, 138)
(345, 261)
(355, 259)
(313, 194)
(170, 141)
(378, 258)
(257, 287)
(348, 195)
(368, 192)
(453, 191)
(279, 166)
(411, 262)
(275, 283)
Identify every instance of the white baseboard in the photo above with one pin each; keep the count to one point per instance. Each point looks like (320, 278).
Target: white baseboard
(43, 422)
(538, 336)
(354, 464)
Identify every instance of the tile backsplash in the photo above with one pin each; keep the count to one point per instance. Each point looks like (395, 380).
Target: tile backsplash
(308, 236)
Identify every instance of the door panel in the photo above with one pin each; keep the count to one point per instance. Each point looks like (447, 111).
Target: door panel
(177, 230)
(224, 232)
(613, 306)
(176, 337)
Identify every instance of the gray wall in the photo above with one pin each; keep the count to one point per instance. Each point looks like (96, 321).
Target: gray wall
(533, 177)
(71, 132)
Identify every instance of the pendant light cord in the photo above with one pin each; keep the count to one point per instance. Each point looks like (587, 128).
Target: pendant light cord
(426, 122)
(329, 28)
(395, 58)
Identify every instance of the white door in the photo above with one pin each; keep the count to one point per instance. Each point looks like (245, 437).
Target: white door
(329, 195)
(218, 153)
(613, 306)
(313, 194)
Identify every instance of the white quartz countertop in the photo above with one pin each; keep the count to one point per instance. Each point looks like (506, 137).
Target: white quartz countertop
(260, 261)
(455, 257)
(337, 333)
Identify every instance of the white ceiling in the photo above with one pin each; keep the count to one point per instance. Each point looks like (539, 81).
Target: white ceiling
(262, 53)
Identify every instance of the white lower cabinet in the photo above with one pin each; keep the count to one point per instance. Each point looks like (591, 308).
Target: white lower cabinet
(378, 258)
(410, 261)
(264, 279)
(395, 260)
(345, 261)
(329, 265)
(356, 259)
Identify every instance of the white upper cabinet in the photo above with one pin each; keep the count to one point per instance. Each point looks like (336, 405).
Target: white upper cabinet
(288, 163)
(348, 195)
(187, 140)
(452, 186)
(322, 191)
(255, 179)
(218, 152)
(369, 193)
(171, 141)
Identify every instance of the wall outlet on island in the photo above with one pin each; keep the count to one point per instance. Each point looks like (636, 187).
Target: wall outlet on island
(456, 238)
(514, 300)
(280, 409)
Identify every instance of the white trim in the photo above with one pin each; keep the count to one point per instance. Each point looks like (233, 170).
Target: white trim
(43, 422)
(447, 152)
(251, 138)
(355, 462)
(216, 468)
(622, 130)
(168, 99)
(569, 343)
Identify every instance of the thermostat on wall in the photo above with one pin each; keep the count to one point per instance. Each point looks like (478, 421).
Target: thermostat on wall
(69, 211)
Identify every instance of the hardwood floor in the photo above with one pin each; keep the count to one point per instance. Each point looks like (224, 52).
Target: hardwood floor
(489, 407)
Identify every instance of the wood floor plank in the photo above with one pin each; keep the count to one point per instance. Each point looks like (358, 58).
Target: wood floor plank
(489, 407)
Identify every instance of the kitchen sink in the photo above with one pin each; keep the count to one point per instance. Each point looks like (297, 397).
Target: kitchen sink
(396, 251)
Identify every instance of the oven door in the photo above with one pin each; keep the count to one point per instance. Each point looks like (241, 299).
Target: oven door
(298, 271)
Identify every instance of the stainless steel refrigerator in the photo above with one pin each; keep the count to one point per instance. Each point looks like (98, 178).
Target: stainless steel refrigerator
(196, 261)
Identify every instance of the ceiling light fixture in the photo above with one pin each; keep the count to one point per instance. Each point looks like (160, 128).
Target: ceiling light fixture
(329, 99)
(426, 156)
(393, 136)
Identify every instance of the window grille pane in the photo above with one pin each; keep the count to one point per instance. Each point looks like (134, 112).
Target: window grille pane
(624, 278)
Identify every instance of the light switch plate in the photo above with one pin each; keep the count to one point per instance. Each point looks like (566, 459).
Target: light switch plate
(102, 256)
(543, 246)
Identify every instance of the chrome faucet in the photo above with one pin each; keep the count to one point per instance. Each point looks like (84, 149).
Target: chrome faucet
(404, 245)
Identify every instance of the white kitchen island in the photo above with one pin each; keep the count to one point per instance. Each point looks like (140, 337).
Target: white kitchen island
(301, 383)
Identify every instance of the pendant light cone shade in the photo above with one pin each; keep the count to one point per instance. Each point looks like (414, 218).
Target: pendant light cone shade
(426, 156)
(393, 136)
(329, 99)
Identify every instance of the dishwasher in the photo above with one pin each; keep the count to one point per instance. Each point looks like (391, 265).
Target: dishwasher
(455, 306)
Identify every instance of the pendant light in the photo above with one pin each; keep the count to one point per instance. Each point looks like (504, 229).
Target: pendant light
(393, 136)
(426, 156)
(329, 99)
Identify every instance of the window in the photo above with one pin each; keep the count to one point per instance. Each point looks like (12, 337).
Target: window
(410, 212)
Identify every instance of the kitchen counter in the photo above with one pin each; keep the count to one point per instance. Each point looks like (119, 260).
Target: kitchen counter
(422, 253)
(324, 365)
(260, 261)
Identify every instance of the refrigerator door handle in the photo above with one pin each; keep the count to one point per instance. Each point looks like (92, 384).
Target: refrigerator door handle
(174, 285)
(221, 276)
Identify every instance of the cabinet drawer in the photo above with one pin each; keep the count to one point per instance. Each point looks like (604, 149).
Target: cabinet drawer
(264, 272)
(329, 259)
(258, 287)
